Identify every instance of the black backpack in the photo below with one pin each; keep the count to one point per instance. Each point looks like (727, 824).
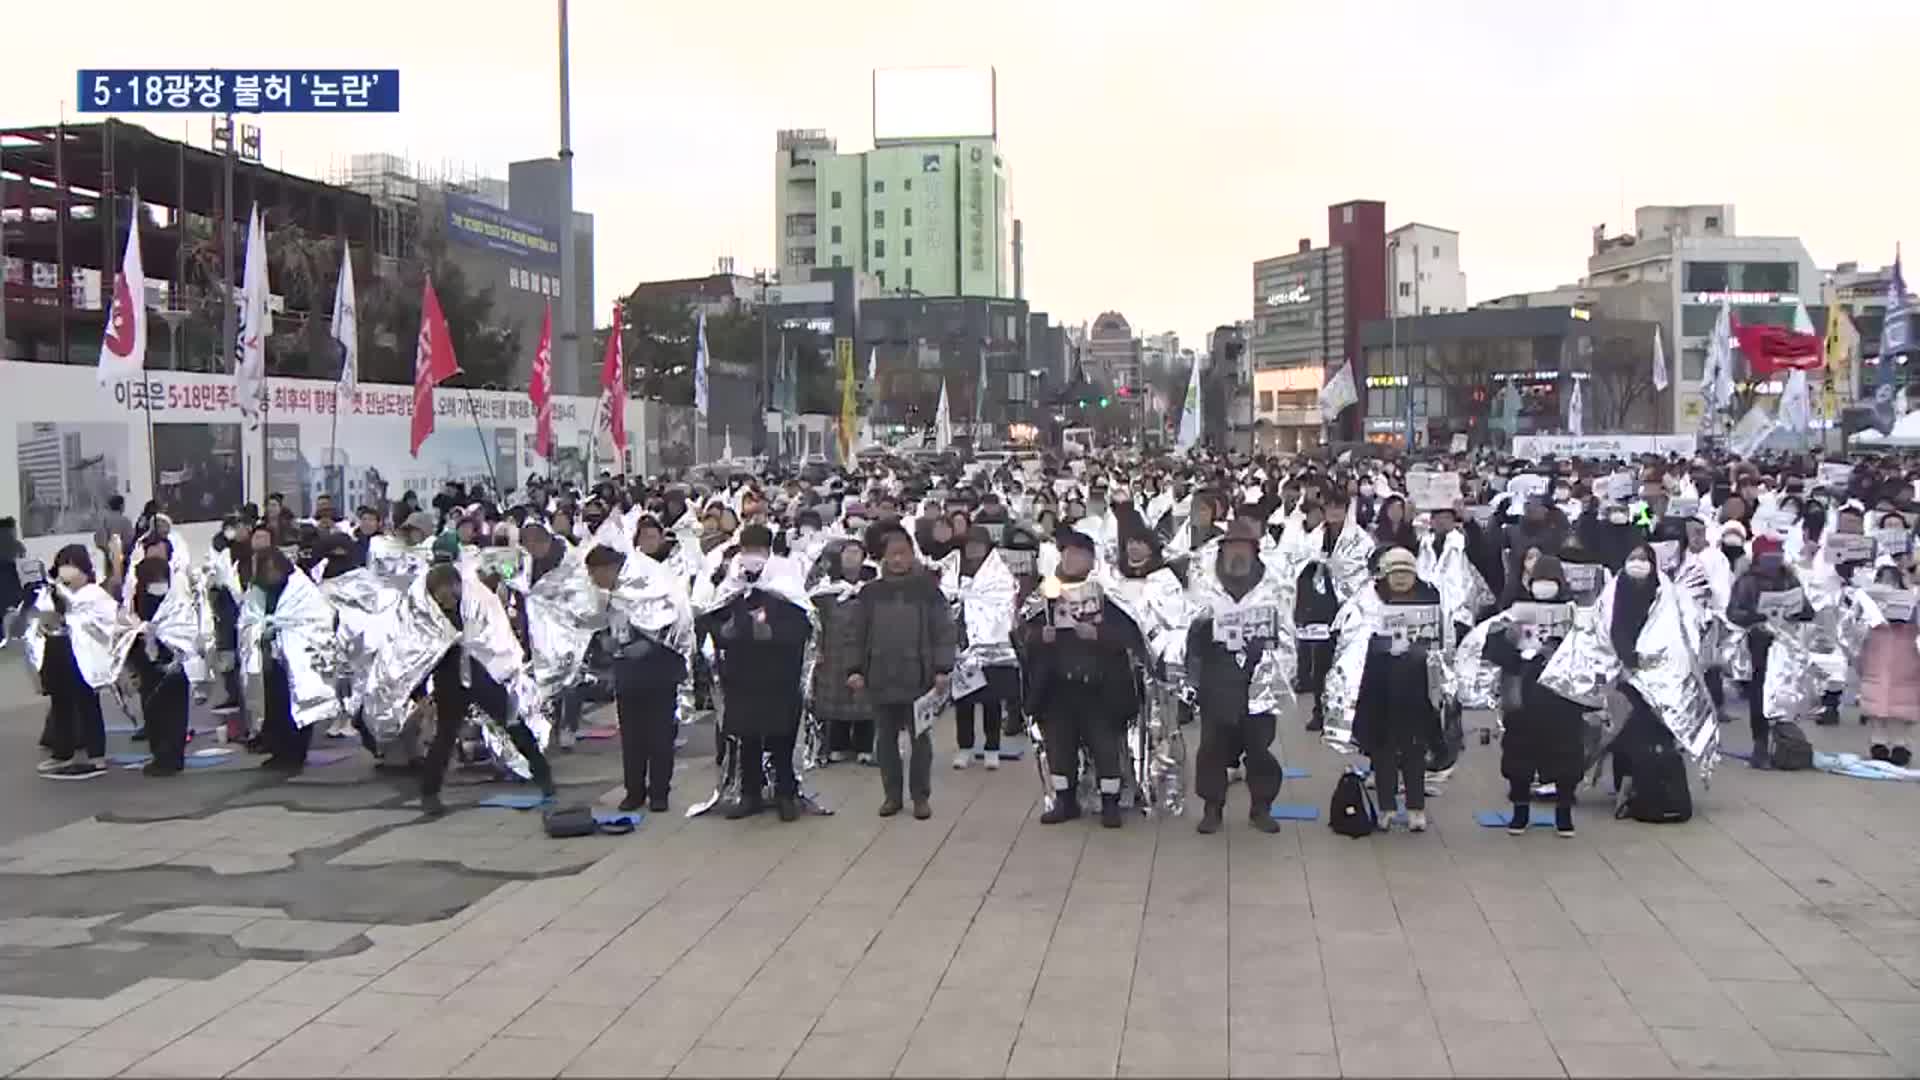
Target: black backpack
(568, 821)
(1657, 786)
(1351, 812)
(1791, 750)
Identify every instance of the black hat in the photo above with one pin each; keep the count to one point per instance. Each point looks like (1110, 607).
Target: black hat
(1074, 538)
(756, 536)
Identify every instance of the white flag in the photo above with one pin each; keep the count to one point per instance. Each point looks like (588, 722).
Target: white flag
(1716, 383)
(726, 448)
(346, 327)
(873, 388)
(1189, 435)
(942, 423)
(1576, 409)
(1659, 361)
(700, 365)
(1796, 403)
(123, 347)
(1338, 393)
(256, 324)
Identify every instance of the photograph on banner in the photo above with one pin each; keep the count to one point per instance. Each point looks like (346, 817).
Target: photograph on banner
(67, 472)
(198, 474)
(1433, 490)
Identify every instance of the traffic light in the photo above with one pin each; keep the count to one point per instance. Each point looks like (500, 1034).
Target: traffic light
(1103, 403)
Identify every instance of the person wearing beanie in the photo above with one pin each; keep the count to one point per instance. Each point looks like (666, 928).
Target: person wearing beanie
(1544, 734)
(902, 646)
(1080, 680)
(1394, 719)
(1769, 575)
(1223, 672)
(987, 595)
(761, 638)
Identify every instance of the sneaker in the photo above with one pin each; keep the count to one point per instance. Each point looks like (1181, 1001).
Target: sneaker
(993, 760)
(963, 759)
(1563, 820)
(1236, 774)
(1065, 808)
(568, 738)
(1416, 821)
(864, 758)
(1517, 824)
(77, 770)
(1900, 756)
(1878, 752)
(1386, 821)
(53, 763)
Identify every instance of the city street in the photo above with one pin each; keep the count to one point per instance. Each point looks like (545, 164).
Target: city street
(230, 923)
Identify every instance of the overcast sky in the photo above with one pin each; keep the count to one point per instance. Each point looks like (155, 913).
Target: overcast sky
(1156, 150)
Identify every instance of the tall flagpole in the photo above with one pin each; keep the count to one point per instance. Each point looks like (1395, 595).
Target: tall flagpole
(566, 359)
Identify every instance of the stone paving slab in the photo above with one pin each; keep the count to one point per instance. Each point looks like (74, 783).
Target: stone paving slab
(1776, 934)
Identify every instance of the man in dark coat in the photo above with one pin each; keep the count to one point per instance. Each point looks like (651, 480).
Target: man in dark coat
(903, 644)
(1394, 719)
(762, 641)
(1080, 680)
(1545, 734)
(1227, 729)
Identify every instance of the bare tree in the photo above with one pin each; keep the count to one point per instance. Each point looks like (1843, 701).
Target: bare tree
(1619, 380)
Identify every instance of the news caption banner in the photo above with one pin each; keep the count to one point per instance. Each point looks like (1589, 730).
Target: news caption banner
(239, 90)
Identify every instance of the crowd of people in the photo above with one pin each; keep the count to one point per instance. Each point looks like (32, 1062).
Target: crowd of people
(1603, 611)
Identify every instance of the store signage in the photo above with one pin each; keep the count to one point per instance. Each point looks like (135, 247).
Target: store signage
(1296, 295)
(1741, 298)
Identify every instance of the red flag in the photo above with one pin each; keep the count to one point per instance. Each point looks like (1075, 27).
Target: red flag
(541, 388)
(433, 363)
(613, 384)
(1770, 349)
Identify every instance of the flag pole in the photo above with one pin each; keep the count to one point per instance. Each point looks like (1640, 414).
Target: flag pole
(486, 451)
(146, 385)
(340, 506)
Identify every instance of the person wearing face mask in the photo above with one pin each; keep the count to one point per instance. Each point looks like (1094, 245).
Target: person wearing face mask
(158, 674)
(902, 646)
(1393, 526)
(1890, 673)
(761, 636)
(836, 579)
(1544, 733)
(1540, 526)
(1768, 574)
(460, 680)
(987, 593)
(1733, 548)
(1080, 681)
(1608, 532)
(646, 639)
(1644, 736)
(1394, 721)
(285, 741)
(1227, 642)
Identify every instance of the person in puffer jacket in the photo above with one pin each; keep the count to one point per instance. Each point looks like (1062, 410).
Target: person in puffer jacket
(1544, 732)
(903, 647)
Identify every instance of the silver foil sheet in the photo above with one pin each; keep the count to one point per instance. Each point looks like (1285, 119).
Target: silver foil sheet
(300, 631)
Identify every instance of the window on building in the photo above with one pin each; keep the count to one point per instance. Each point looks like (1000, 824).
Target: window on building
(1266, 401)
(906, 217)
(1693, 362)
(908, 249)
(1713, 222)
(879, 187)
(1774, 277)
(1705, 277)
(834, 234)
(1436, 251)
(1696, 320)
(833, 200)
(1426, 309)
(909, 269)
(1346, 215)
(879, 219)
(881, 277)
(836, 260)
(1406, 288)
(880, 249)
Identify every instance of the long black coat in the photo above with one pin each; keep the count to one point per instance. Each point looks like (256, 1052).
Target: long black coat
(761, 677)
(1546, 734)
(1104, 663)
(1394, 705)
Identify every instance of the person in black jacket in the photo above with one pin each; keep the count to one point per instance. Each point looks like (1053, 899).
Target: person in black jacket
(1080, 681)
(1316, 602)
(1544, 732)
(1227, 729)
(158, 675)
(1768, 574)
(646, 679)
(762, 641)
(1394, 718)
(1633, 596)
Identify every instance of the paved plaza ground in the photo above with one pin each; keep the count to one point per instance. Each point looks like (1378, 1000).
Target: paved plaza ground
(231, 923)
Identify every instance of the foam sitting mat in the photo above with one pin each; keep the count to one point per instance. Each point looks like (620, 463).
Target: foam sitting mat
(512, 802)
(1497, 819)
(612, 732)
(1295, 812)
(617, 817)
(1293, 772)
(321, 758)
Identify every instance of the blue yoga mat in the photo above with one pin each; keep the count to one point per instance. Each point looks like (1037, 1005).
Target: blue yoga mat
(1497, 819)
(1295, 812)
(1294, 772)
(616, 817)
(512, 802)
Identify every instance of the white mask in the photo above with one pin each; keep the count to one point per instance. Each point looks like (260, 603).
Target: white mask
(752, 564)
(158, 588)
(1638, 569)
(1545, 590)
(1617, 517)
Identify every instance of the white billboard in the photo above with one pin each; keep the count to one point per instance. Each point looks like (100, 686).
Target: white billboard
(936, 102)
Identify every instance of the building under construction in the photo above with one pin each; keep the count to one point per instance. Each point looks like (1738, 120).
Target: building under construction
(67, 196)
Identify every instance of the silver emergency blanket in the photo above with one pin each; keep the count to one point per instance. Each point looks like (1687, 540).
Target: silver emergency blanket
(986, 608)
(92, 620)
(1156, 747)
(1464, 593)
(563, 610)
(1669, 678)
(1349, 562)
(1478, 684)
(392, 559)
(178, 624)
(365, 604)
(300, 631)
(1267, 607)
(649, 599)
(1358, 621)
